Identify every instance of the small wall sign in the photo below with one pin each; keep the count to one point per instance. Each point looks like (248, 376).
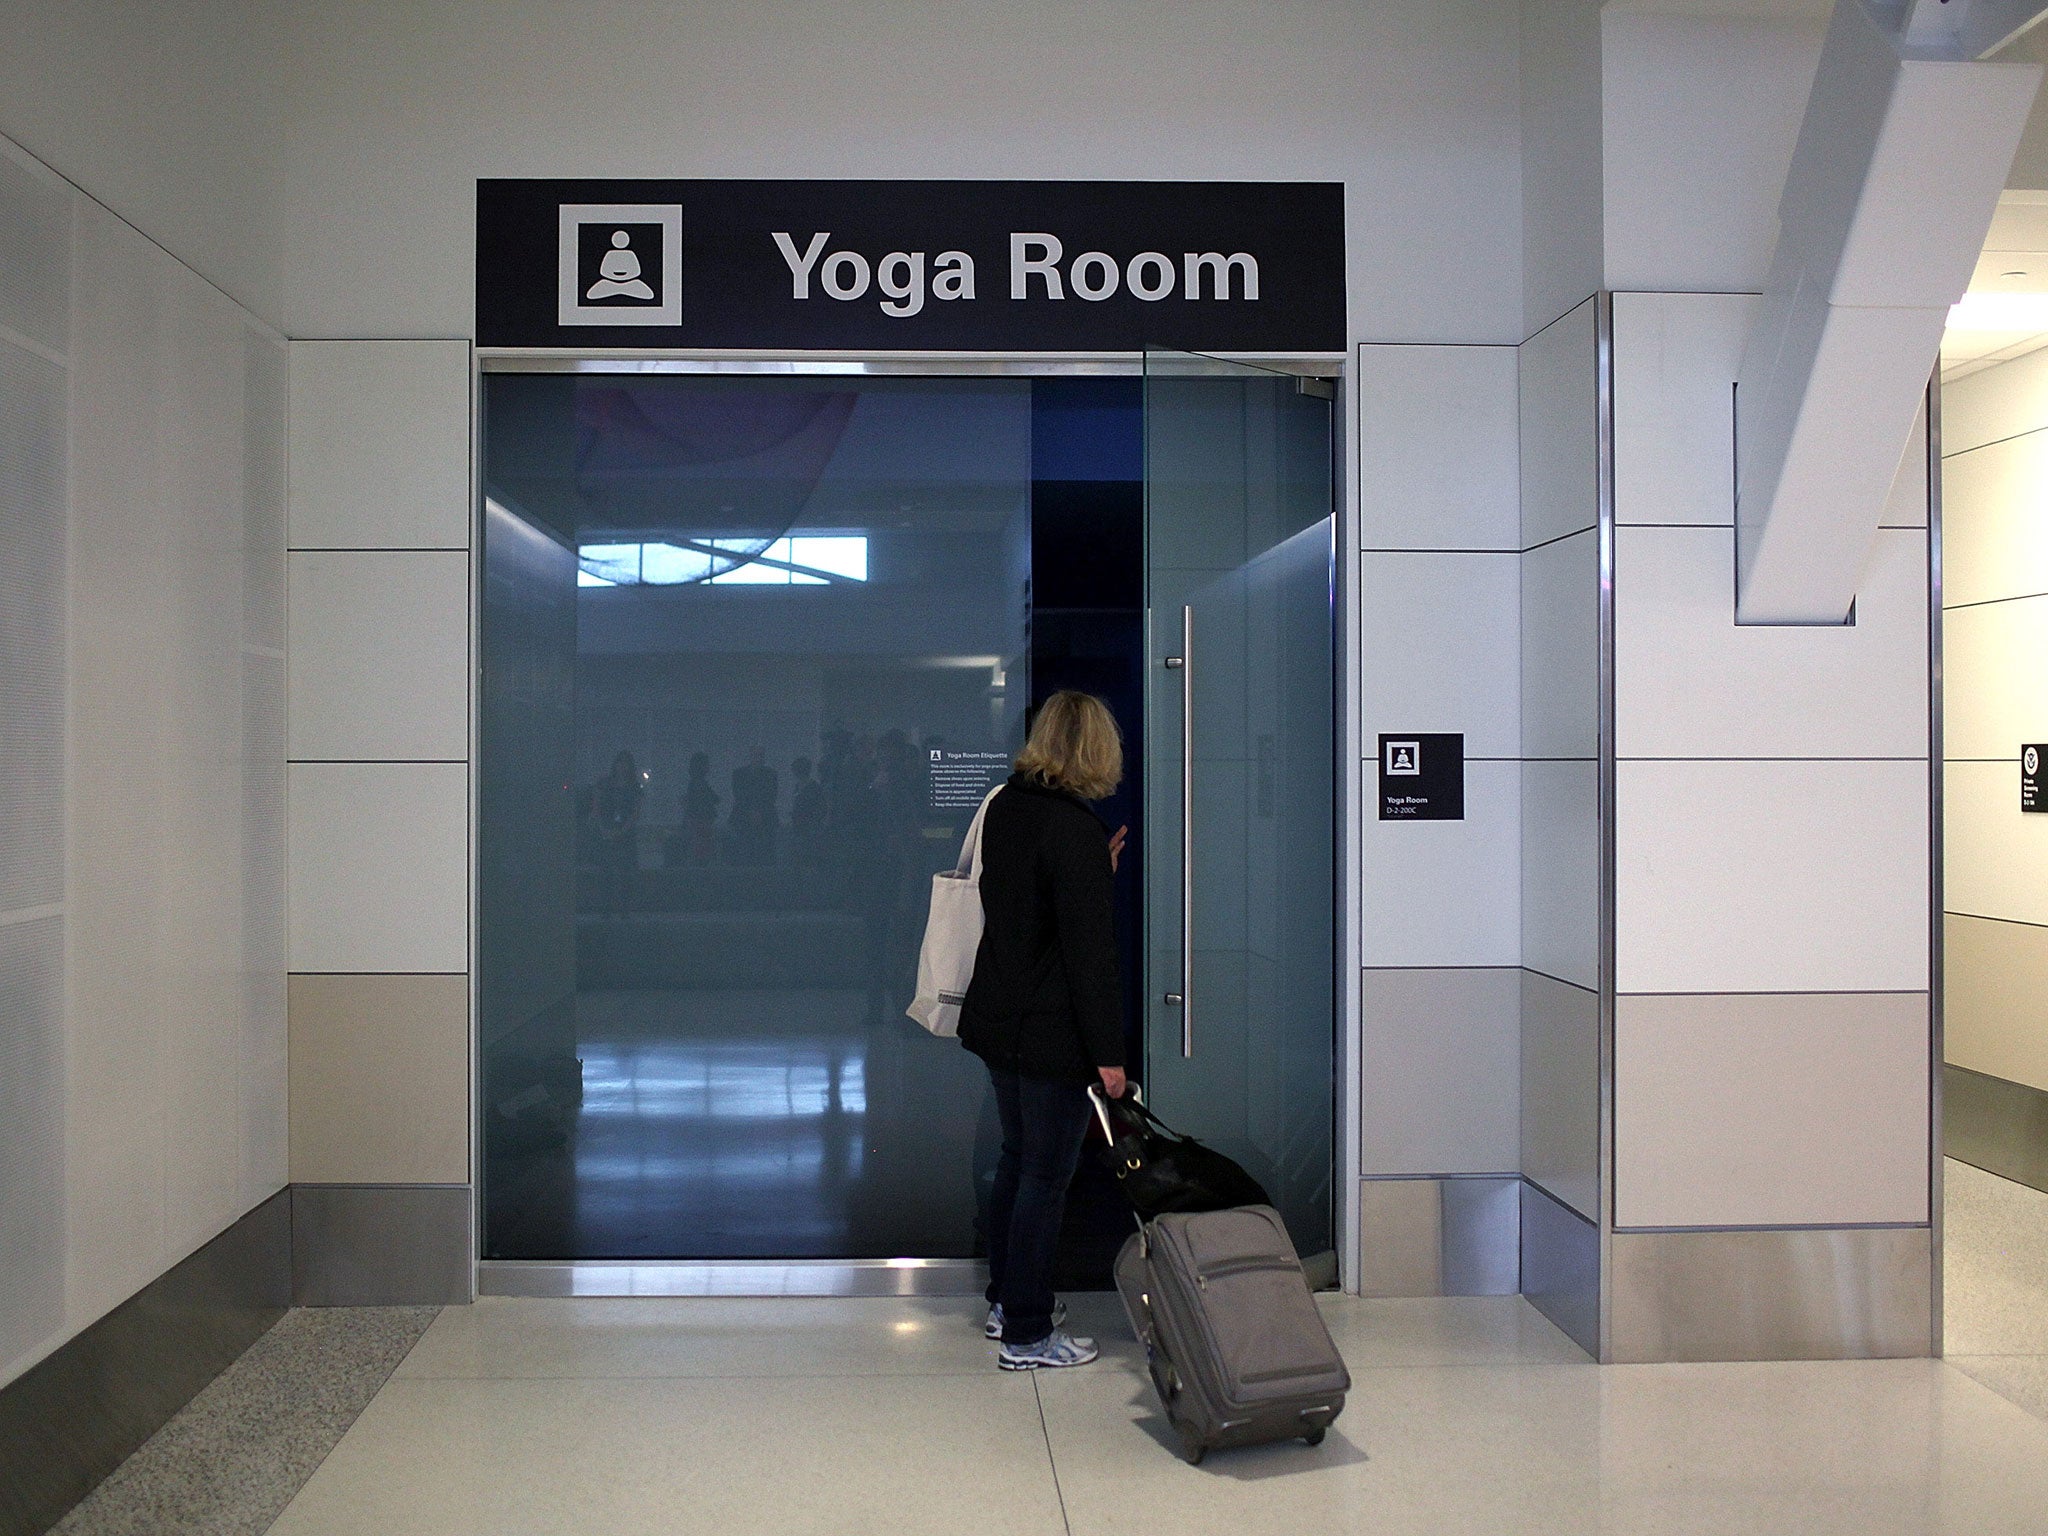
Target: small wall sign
(2032, 797)
(1422, 776)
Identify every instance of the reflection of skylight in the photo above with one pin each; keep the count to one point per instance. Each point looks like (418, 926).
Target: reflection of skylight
(795, 560)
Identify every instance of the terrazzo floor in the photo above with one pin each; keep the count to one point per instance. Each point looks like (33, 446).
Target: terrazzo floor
(1995, 1274)
(235, 1455)
(804, 1416)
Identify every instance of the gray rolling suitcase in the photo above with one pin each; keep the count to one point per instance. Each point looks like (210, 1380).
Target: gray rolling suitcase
(1237, 1350)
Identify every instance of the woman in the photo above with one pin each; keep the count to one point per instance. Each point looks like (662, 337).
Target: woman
(1045, 1007)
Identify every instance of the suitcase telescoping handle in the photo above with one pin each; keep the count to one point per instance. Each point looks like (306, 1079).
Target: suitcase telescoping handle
(1101, 1102)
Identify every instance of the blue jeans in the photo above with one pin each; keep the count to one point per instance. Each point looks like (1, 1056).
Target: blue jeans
(1044, 1124)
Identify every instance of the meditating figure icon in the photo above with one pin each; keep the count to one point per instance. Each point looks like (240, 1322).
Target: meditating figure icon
(619, 272)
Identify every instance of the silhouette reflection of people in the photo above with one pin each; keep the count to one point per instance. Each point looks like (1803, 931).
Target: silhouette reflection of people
(755, 789)
(619, 272)
(616, 813)
(700, 809)
(806, 812)
(886, 829)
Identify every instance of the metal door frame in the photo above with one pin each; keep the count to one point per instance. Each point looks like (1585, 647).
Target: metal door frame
(905, 1276)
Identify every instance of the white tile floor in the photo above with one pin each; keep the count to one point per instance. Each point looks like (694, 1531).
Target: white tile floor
(1995, 1270)
(844, 1417)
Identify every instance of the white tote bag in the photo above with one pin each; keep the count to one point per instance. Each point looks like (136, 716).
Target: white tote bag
(951, 936)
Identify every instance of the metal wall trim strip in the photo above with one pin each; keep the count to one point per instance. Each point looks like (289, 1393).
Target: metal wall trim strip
(1604, 394)
(1937, 979)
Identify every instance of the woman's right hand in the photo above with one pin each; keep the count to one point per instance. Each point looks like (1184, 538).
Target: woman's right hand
(1113, 1081)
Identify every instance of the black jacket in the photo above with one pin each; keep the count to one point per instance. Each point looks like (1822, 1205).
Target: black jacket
(1046, 1000)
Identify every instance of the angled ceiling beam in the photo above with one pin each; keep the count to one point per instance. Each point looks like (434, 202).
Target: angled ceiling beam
(1905, 147)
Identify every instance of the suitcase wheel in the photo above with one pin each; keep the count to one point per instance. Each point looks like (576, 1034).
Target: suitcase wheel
(1193, 1451)
(1314, 1437)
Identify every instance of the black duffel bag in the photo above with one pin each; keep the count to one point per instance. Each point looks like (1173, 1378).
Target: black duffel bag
(1159, 1170)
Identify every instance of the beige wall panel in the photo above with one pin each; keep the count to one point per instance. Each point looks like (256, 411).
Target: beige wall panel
(1995, 404)
(1995, 855)
(1995, 1015)
(1561, 1091)
(380, 1079)
(1994, 520)
(1440, 1065)
(1994, 691)
(1786, 1109)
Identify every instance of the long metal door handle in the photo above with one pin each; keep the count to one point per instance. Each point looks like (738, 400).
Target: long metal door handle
(1187, 831)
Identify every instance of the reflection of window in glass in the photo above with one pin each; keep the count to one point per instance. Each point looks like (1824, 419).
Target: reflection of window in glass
(795, 560)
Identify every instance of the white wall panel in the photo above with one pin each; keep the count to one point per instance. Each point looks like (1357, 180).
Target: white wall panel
(1437, 648)
(1675, 359)
(1992, 1015)
(379, 866)
(1561, 869)
(1995, 403)
(174, 1013)
(1775, 1110)
(1560, 428)
(1560, 601)
(1441, 1071)
(1445, 893)
(1690, 682)
(380, 435)
(1994, 519)
(1437, 459)
(1994, 694)
(1700, 113)
(1906, 505)
(379, 654)
(1996, 858)
(1771, 876)
(1560, 1091)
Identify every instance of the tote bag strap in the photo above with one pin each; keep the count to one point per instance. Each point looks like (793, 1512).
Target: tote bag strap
(969, 867)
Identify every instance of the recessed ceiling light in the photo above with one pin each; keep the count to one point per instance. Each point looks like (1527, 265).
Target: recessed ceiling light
(2000, 312)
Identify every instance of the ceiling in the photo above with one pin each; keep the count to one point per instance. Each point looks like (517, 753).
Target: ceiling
(2005, 311)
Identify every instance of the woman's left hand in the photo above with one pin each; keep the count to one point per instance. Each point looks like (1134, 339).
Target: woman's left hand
(1116, 845)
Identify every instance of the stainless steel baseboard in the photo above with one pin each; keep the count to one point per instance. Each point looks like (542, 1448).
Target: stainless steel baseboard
(67, 1422)
(732, 1277)
(1995, 1124)
(1847, 1293)
(1561, 1266)
(1449, 1236)
(380, 1245)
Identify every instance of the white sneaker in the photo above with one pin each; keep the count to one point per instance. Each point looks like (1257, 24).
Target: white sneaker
(1054, 1351)
(993, 1328)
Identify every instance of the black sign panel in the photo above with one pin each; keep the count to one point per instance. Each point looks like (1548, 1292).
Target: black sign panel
(964, 266)
(1422, 777)
(2032, 797)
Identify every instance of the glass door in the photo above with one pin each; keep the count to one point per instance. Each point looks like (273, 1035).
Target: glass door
(1240, 742)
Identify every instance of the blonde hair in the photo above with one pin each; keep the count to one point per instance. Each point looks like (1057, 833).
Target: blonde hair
(1074, 745)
